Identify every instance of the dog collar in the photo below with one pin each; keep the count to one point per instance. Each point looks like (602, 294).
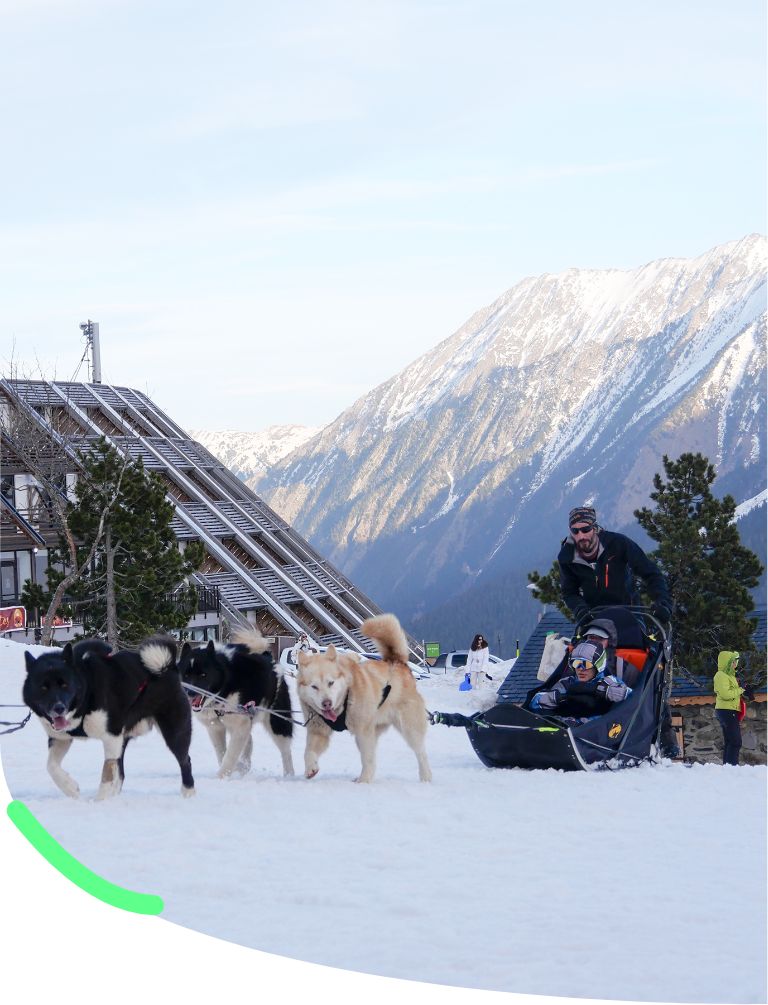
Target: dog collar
(339, 724)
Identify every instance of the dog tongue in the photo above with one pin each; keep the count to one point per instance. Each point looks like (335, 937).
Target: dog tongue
(59, 722)
(328, 713)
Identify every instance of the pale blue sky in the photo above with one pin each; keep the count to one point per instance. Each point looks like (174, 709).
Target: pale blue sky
(272, 207)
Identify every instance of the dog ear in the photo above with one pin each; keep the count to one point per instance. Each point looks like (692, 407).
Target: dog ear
(29, 660)
(210, 649)
(66, 655)
(186, 649)
(330, 652)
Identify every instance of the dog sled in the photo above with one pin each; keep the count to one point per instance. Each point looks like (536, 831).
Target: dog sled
(514, 736)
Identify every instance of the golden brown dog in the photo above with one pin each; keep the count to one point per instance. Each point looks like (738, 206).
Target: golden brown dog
(339, 691)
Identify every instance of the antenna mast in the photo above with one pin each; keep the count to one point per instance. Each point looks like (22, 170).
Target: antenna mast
(90, 330)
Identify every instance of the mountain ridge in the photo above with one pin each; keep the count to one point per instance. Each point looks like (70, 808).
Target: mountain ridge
(568, 386)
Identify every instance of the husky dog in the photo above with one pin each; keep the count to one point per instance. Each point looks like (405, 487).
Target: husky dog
(337, 691)
(87, 691)
(241, 674)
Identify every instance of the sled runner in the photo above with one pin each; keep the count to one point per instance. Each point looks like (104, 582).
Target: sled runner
(513, 736)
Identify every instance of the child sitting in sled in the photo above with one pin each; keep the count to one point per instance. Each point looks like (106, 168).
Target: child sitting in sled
(586, 690)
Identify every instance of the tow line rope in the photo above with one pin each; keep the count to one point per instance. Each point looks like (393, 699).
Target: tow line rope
(14, 725)
(233, 708)
(441, 718)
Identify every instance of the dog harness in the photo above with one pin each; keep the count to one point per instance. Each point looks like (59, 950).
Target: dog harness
(339, 724)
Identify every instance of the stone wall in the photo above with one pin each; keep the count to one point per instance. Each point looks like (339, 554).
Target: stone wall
(704, 737)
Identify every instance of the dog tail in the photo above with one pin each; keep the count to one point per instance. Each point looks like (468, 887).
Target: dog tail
(158, 655)
(252, 639)
(389, 637)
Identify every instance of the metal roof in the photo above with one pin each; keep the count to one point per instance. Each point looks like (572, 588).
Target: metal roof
(522, 677)
(266, 565)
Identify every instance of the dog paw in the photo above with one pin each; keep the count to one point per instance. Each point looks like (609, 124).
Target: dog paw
(188, 793)
(106, 792)
(311, 772)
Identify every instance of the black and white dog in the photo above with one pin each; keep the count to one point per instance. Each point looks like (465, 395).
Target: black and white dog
(87, 691)
(239, 676)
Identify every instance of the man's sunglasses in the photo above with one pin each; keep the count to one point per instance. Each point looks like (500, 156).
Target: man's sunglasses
(580, 664)
(581, 530)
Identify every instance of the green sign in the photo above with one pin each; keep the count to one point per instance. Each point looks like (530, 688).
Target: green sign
(432, 650)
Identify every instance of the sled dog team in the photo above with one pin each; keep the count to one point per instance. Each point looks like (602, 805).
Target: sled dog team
(86, 691)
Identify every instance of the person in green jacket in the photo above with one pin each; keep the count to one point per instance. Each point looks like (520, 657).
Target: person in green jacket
(728, 694)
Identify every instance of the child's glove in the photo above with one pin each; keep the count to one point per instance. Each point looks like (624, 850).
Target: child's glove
(611, 690)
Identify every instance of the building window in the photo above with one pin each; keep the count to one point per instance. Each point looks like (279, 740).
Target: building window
(8, 585)
(41, 568)
(7, 487)
(23, 568)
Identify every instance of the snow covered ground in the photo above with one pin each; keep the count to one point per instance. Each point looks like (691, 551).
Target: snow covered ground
(645, 884)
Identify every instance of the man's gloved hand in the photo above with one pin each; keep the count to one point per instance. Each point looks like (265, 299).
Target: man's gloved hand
(749, 694)
(612, 690)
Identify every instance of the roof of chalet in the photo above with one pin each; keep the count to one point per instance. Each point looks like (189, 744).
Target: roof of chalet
(522, 677)
(23, 527)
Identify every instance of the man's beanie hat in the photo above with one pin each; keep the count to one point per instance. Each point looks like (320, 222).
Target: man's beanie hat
(582, 514)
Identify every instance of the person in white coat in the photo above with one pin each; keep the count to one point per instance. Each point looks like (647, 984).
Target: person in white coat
(304, 644)
(477, 661)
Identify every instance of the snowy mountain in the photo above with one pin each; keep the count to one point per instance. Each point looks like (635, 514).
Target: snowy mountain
(249, 455)
(458, 473)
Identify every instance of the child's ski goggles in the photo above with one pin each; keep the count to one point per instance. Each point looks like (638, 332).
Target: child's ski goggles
(580, 664)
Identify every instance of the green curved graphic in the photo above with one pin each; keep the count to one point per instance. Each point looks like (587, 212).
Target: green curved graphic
(50, 849)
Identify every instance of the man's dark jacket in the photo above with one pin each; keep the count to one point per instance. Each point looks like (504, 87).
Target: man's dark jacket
(612, 580)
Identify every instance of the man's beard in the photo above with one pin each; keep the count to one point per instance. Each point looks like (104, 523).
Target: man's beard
(588, 550)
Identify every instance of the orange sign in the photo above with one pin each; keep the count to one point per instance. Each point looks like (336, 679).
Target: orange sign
(13, 619)
(59, 622)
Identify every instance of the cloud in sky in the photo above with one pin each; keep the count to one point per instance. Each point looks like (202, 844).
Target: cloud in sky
(300, 186)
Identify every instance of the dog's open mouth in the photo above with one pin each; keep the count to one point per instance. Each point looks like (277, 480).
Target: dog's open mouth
(196, 701)
(329, 713)
(60, 722)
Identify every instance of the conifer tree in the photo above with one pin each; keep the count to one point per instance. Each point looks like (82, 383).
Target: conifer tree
(134, 585)
(709, 571)
(547, 588)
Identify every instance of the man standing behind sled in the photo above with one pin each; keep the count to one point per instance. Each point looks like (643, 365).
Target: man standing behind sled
(598, 569)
